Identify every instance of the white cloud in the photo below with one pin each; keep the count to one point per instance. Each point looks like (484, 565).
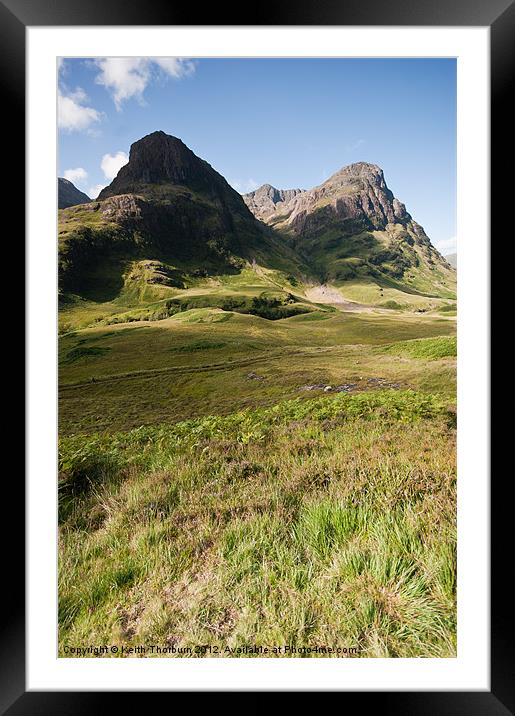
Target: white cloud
(76, 176)
(446, 246)
(175, 67)
(246, 186)
(72, 113)
(123, 77)
(94, 191)
(112, 163)
(127, 77)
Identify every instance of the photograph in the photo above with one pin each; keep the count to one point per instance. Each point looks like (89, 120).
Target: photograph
(257, 348)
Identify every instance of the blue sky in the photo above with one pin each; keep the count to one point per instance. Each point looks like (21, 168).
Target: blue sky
(288, 122)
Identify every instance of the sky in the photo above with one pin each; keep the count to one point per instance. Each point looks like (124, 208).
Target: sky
(287, 122)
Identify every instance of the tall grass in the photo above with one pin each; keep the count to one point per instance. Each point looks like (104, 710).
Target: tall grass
(328, 522)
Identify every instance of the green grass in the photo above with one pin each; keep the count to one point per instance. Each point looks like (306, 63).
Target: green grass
(448, 309)
(426, 348)
(138, 293)
(199, 346)
(169, 371)
(240, 466)
(152, 290)
(328, 522)
(81, 353)
(392, 305)
(206, 496)
(388, 264)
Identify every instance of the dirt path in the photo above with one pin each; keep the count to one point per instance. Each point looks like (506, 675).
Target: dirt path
(331, 296)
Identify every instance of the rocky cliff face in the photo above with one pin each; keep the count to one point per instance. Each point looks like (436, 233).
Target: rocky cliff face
(357, 194)
(69, 195)
(157, 158)
(268, 201)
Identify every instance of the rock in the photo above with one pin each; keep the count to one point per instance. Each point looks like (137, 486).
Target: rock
(159, 163)
(267, 200)
(345, 388)
(383, 383)
(122, 207)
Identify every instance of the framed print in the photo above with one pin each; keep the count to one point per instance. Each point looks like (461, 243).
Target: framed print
(258, 310)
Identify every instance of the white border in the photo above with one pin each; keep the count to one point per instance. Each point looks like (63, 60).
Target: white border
(470, 670)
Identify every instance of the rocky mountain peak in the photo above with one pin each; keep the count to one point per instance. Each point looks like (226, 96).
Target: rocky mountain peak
(160, 158)
(356, 176)
(156, 158)
(357, 193)
(361, 169)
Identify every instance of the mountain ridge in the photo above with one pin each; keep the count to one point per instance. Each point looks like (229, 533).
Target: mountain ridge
(162, 159)
(361, 178)
(69, 195)
(169, 207)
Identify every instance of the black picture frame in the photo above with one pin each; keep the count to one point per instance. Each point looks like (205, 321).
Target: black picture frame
(499, 15)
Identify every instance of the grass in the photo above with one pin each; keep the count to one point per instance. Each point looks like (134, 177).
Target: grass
(426, 348)
(449, 309)
(328, 522)
(138, 296)
(169, 370)
(383, 293)
(211, 492)
(80, 352)
(150, 290)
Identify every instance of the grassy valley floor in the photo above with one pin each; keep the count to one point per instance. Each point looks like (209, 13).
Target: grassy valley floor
(211, 361)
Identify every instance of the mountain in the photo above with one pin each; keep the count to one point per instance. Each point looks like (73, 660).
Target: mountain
(169, 219)
(69, 195)
(452, 260)
(168, 206)
(351, 227)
